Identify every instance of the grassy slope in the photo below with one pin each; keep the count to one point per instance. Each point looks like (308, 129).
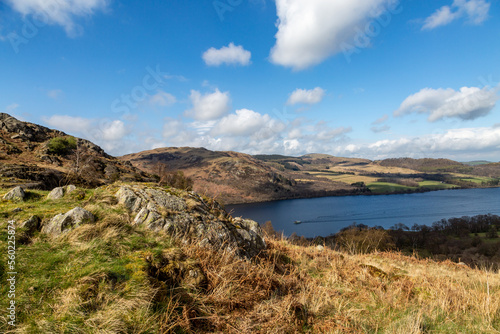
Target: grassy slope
(97, 279)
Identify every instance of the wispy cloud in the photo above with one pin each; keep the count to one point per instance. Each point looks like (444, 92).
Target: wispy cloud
(59, 12)
(475, 11)
(55, 93)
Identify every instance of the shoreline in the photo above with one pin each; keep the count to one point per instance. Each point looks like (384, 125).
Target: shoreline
(348, 193)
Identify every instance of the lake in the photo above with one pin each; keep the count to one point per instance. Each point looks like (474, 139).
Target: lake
(327, 215)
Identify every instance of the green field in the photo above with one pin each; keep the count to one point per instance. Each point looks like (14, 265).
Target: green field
(477, 179)
(386, 187)
(436, 185)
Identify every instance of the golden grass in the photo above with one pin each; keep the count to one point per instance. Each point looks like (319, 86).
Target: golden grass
(110, 287)
(345, 178)
(294, 289)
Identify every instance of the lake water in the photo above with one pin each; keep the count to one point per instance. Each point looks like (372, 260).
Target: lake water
(327, 215)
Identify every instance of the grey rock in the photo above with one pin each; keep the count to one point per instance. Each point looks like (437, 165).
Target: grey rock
(32, 224)
(66, 221)
(16, 194)
(210, 225)
(56, 193)
(69, 189)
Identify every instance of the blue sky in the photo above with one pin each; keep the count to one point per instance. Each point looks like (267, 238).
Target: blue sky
(360, 78)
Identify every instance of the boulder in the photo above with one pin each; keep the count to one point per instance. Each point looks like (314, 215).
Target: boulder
(64, 222)
(69, 189)
(31, 225)
(191, 219)
(56, 193)
(16, 194)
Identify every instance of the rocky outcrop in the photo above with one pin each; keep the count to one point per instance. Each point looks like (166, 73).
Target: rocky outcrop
(24, 130)
(16, 194)
(191, 218)
(66, 221)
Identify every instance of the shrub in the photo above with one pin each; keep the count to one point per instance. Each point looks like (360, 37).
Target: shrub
(359, 239)
(61, 145)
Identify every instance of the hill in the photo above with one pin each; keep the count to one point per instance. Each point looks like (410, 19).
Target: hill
(124, 268)
(235, 177)
(38, 157)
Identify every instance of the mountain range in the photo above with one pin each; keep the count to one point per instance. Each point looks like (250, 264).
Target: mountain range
(35, 156)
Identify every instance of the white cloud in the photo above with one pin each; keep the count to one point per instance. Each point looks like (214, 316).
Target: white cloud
(171, 127)
(229, 55)
(476, 12)
(114, 130)
(59, 12)
(162, 99)
(109, 134)
(54, 93)
(209, 106)
(69, 123)
(458, 144)
(304, 96)
(469, 103)
(313, 30)
(243, 123)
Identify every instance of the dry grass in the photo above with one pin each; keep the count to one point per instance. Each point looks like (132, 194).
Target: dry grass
(112, 277)
(293, 289)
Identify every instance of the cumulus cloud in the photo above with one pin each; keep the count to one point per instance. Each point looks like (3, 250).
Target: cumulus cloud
(243, 123)
(311, 31)
(476, 12)
(59, 12)
(209, 106)
(109, 134)
(456, 143)
(69, 123)
(162, 99)
(304, 96)
(229, 55)
(468, 103)
(114, 130)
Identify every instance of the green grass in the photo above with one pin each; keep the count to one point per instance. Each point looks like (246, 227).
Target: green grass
(93, 277)
(386, 187)
(477, 179)
(436, 185)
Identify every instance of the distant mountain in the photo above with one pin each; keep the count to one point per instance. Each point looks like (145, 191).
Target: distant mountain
(477, 163)
(35, 156)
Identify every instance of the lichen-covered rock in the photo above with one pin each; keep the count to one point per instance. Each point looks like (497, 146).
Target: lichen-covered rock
(69, 189)
(56, 193)
(191, 218)
(66, 221)
(16, 194)
(32, 224)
